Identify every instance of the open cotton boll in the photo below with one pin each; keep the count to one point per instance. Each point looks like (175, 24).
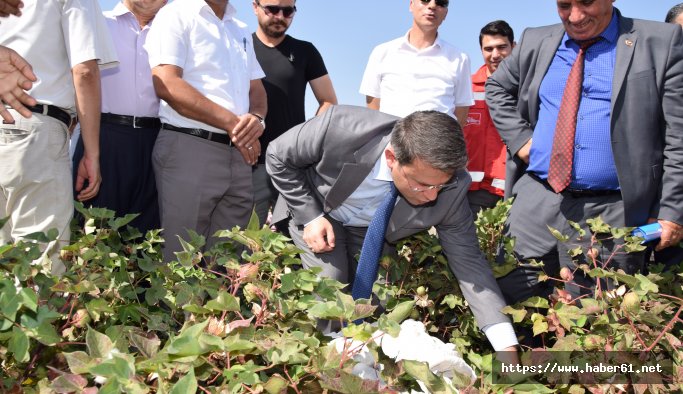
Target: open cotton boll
(414, 343)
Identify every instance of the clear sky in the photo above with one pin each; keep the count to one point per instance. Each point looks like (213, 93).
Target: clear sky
(346, 31)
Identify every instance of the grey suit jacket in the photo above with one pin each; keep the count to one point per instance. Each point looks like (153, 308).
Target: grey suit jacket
(316, 165)
(646, 117)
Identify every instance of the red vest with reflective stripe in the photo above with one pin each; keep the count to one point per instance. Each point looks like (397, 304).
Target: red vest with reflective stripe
(485, 148)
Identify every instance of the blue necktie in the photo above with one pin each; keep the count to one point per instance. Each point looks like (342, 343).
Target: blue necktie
(368, 264)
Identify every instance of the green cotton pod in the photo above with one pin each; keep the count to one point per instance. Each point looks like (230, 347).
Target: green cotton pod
(401, 311)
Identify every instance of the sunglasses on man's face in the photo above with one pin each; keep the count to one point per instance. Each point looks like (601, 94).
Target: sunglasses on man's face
(275, 9)
(440, 3)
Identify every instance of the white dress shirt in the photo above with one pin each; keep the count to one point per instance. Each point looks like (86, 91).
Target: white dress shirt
(408, 79)
(128, 89)
(54, 36)
(217, 56)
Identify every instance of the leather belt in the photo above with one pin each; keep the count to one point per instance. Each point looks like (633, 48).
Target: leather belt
(53, 112)
(201, 133)
(577, 192)
(135, 122)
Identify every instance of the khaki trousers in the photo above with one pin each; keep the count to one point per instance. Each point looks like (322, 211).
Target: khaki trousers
(35, 179)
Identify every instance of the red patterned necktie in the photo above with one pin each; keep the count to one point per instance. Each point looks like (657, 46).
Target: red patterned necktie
(562, 155)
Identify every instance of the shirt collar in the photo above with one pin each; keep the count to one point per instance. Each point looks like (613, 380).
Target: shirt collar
(610, 34)
(383, 172)
(438, 43)
(198, 5)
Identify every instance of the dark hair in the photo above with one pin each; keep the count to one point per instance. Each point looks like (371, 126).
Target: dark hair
(673, 13)
(434, 137)
(497, 28)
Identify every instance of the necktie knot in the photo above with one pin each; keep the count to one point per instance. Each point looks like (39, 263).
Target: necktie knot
(585, 44)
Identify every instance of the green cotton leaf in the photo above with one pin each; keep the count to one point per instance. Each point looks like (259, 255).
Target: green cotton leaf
(98, 344)
(194, 330)
(234, 344)
(185, 347)
(357, 331)
(536, 302)
(47, 334)
(558, 235)
(578, 228)
(645, 286)
(276, 384)
(389, 326)
(196, 309)
(97, 307)
(540, 324)
(327, 310)
(346, 383)
(598, 226)
(361, 311)
(633, 247)
(224, 302)
(118, 223)
(18, 345)
(577, 251)
(567, 314)
(452, 301)
(68, 383)
(10, 301)
(348, 304)
(79, 362)
(148, 347)
(518, 314)
(254, 224)
(120, 365)
(421, 371)
(29, 298)
(621, 232)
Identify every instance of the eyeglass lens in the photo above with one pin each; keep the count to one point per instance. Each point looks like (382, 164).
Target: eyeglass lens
(440, 3)
(275, 9)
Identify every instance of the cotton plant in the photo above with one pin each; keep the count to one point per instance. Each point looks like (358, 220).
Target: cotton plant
(413, 344)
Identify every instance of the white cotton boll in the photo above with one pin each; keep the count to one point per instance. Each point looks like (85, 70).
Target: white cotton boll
(414, 343)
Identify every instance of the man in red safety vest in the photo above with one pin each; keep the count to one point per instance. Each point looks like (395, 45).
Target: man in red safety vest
(485, 149)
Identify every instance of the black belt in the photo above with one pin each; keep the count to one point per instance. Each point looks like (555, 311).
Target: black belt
(201, 133)
(53, 112)
(577, 192)
(135, 122)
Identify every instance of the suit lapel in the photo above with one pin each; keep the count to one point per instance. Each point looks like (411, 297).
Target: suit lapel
(352, 174)
(626, 45)
(546, 53)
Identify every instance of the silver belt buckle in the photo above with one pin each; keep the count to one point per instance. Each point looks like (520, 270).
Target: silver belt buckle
(135, 123)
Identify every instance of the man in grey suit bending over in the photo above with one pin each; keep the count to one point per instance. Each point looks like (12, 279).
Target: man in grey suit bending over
(590, 110)
(333, 172)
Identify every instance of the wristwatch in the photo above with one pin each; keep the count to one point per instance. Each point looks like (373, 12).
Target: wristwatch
(260, 119)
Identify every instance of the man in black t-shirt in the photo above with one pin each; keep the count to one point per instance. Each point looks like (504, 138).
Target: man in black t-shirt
(289, 64)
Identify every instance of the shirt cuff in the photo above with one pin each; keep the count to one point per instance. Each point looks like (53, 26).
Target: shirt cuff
(314, 219)
(500, 335)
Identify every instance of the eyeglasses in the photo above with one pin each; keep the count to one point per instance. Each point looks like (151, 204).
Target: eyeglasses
(275, 9)
(424, 188)
(440, 3)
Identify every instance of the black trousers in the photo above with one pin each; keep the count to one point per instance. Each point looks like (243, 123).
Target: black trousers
(128, 184)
